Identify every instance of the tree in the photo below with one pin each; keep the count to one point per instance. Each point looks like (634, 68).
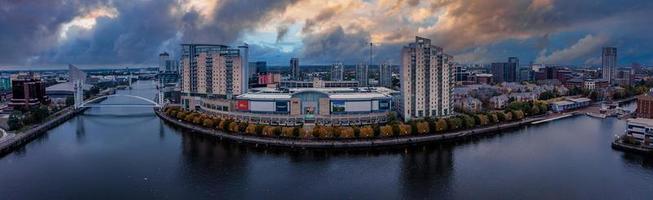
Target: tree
(287, 132)
(468, 121)
(547, 95)
(404, 129)
(386, 131)
(422, 128)
(367, 132)
(454, 123)
(251, 129)
(269, 131)
(15, 120)
(534, 110)
(501, 116)
(233, 127)
(441, 125)
(326, 132)
(508, 116)
(345, 132)
(207, 123)
(517, 114)
(482, 119)
(305, 134)
(493, 118)
(70, 101)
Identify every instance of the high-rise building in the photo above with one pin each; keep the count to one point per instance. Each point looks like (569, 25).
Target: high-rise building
(362, 75)
(609, 63)
(525, 74)
(28, 90)
(163, 61)
(426, 81)
(645, 105)
(211, 70)
(506, 71)
(295, 73)
(337, 72)
(385, 75)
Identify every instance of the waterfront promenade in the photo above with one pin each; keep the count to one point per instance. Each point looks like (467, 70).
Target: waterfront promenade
(356, 143)
(18, 139)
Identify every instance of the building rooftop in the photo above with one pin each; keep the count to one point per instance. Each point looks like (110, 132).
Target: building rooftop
(641, 121)
(334, 93)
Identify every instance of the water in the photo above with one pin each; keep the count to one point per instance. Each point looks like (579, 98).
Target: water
(106, 154)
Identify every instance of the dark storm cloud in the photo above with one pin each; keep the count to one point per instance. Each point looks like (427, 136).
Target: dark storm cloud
(140, 30)
(28, 27)
(336, 45)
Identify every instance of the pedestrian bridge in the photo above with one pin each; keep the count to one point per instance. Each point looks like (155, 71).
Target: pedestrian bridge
(92, 103)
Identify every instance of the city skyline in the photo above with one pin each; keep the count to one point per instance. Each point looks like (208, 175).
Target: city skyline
(321, 33)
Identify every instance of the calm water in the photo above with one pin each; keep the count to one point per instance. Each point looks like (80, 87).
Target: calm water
(115, 153)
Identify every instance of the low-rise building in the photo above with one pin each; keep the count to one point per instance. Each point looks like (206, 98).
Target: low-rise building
(641, 129)
(499, 102)
(469, 104)
(295, 106)
(569, 104)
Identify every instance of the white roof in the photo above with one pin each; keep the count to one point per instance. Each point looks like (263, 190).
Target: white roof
(641, 121)
(334, 93)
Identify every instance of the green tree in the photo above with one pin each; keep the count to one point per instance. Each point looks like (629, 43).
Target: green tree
(468, 121)
(15, 120)
(70, 101)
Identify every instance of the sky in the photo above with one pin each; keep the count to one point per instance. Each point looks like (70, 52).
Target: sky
(134, 32)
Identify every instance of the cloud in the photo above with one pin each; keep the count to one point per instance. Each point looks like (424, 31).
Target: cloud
(584, 47)
(123, 32)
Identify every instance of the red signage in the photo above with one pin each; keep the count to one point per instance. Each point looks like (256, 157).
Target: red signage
(242, 105)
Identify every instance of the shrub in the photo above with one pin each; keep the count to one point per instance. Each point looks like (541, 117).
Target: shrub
(251, 129)
(441, 125)
(287, 132)
(404, 129)
(386, 131)
(367, 132)
(346, 132)
(422, 128)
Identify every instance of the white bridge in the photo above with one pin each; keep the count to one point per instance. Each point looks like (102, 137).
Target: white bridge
(91, 102)
(78, 79)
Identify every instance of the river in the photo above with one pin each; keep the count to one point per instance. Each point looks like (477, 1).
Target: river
(128, 153)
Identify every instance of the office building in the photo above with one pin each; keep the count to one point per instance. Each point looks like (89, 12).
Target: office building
(506, 71)
(362, 75)
(163, 59)
(426, 81)
(645, 105)
(609, 63)
(213, 71)
(337, 72)
(295, 73)
(525, 74)
(28, 90)
(385, 75)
